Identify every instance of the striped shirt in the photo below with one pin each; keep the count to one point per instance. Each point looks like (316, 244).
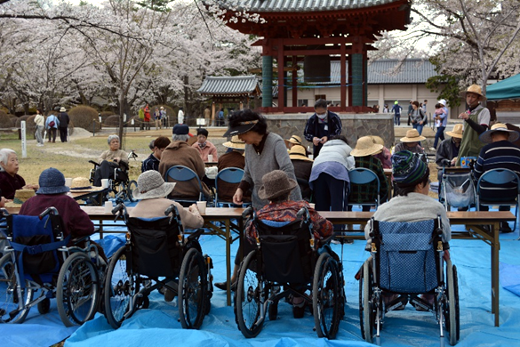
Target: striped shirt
(498, 155)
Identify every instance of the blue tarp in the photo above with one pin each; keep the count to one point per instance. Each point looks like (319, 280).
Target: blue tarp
(159, 326)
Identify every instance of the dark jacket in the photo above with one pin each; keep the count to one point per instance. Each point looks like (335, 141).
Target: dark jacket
(64, 120)
(312, 129)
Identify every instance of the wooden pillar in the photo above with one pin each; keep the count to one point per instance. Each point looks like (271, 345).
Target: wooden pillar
(212, 120)
(343, 80)
(267, 81)
(349, 80)
(294, 75)
(281, 88)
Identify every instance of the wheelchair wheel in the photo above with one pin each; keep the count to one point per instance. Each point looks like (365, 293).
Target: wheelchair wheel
(192, 290)
(130, 190)
(326, 297)
(78, 290)
(451, 308)
(120, 289)
(14, 304)
(248, 298)
(366, 303)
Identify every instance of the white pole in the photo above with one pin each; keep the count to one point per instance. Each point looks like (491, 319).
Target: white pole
(24, 140)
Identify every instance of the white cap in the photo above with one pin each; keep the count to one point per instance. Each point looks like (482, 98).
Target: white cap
(442, 101)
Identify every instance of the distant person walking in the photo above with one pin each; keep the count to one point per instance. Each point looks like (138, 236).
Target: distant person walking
(39, 120)
(147, 117)
(64, 124)
(51, 124)
(410, 110)
(441, 120)
(418, 117)
(396, 109)
(141, 118)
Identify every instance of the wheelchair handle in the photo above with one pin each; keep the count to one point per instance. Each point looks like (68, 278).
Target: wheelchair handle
(248, 211)
(303, 212)
(50, 210)
(93, 162)
(170, 209)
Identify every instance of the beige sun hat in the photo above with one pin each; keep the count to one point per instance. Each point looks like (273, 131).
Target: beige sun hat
(474, 88)
(486, 136)
(457, 131)
(151, 185)
(366, 146)
(274, 184)
(295, 140)
(412, 135)
(378, 140)
(298, 153)
(235, 143)
(21, 196)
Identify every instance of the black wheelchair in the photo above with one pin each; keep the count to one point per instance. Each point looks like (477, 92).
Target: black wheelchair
(158, 256)
(119, 183)
(38, 265)
(287, 260)
(407, 261)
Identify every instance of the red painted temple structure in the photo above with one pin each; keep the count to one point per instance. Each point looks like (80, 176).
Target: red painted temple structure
(313, 32)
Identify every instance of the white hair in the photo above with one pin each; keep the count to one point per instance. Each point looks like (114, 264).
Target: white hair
(4, 155)
(111, 137)
(183, 137)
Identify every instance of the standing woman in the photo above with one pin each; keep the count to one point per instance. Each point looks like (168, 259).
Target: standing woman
(264, 153)
(39, 120)
(418, 117)
(51, 124)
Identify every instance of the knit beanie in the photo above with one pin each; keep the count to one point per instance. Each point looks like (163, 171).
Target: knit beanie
(407, 168)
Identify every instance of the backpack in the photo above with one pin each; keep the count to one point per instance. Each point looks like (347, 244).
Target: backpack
(423, 115)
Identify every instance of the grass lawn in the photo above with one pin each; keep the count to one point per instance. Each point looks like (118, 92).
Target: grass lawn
(71, 157)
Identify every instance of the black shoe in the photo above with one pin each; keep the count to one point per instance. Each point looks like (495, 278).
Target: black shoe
(505, 228)
(223, 286)
(168, 295)
(298, 311)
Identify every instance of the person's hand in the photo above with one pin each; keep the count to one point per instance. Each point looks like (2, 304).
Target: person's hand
(421, 123)
(116, 159)
(237, 198)
(193, 207)
(446, 255)
(31, 186)
(464, 115)
(323, 139)
(453, 161)
(316, 141)
(3, 201)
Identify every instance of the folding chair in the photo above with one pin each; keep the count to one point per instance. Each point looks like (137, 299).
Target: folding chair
(363, 176)
(231, 175)
(183, 175)
(502, 180)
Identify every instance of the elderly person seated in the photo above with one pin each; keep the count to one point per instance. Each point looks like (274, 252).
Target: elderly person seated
(364, 154)
(109, 160)
(410, 142)
(157, 146)
(10, 181)
(178, 152)
(52, 192)
(385, 156)
(499, 153)
(205, 147)
(276, 188)
(152, 192)
(448, 150)
(411, 175)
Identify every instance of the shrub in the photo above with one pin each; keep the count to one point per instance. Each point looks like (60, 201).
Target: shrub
(83, 116)
(5, 120)
(112, 121)
(105, 115)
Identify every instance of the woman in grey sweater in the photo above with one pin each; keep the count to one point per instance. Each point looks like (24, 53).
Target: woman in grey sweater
(265, 152)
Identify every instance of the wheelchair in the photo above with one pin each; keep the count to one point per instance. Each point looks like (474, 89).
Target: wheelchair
(286, 261)
(400, 253)
(120, 186)
(38, 266)
(158, 256)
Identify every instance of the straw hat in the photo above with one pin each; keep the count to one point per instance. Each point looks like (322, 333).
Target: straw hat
(475, 89)
(298, 153)
(52, 181)
(63, 109)
(80, 183)
(486, 136)
(412, 135)
(377, 139)
(274, 184)
(21, 196)
(295, 140)
(235, 143)
(366, 146)
(457, 131)
(151, 185)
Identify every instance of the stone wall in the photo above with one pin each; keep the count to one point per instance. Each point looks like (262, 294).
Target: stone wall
(354, 126)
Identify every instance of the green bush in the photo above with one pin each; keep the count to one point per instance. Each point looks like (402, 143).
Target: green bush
(5, 120)
(112, 121)
(105, 115)
(84, 116)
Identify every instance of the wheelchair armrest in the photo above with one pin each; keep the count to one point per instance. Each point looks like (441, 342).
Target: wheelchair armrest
(93, 162)
(79, 239)
(195, 235)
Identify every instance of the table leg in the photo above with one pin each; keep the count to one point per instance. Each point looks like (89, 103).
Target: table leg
(228, 260)
(495, 249)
